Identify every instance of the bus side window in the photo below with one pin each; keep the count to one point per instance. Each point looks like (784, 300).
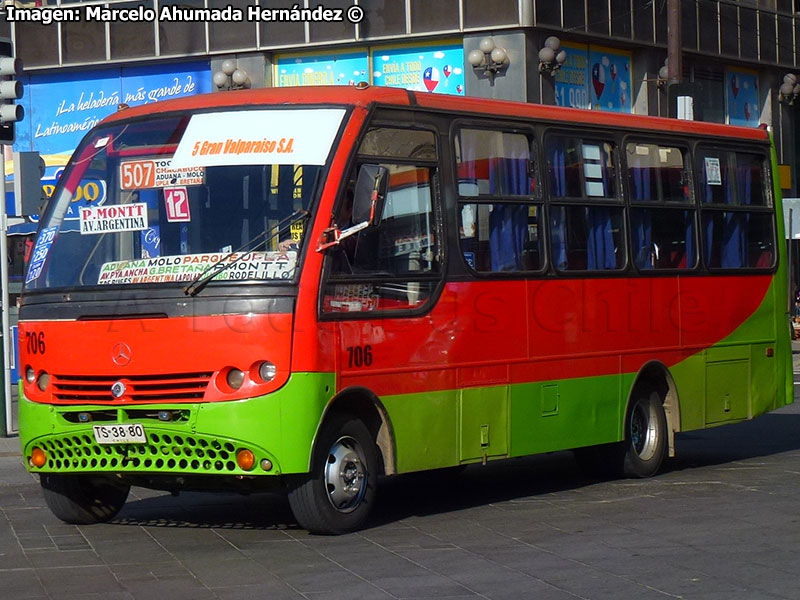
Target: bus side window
(738, 229)
(403, 247)
(500, 210)
(662, 213)
(586, 214)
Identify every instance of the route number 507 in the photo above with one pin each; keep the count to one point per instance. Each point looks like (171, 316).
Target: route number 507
(138, 174)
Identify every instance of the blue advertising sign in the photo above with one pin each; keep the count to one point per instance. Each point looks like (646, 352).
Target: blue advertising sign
(594, 77)
(741, 95)
(438, 69)
(65, 107)
(610, 87)
(570, 80)
(61, 108)
(347, 68)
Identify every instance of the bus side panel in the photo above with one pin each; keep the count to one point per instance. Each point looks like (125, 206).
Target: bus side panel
(562, 414)
(691, 385)
(425, 428)
(735, 378)
(417, 365)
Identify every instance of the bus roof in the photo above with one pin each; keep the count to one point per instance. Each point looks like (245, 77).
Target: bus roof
(377, 95)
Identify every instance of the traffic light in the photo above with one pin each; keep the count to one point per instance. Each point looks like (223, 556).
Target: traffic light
(10, 91)
(29, 170)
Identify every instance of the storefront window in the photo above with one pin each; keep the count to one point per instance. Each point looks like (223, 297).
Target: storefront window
(383, 18)
(434, 16)
(130, 39)
(231, 35)
(83, 41)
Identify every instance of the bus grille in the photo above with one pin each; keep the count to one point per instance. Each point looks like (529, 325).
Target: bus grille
(138, 388)
(163, 453)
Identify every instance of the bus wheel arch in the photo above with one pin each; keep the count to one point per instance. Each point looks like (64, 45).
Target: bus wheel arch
(336, 494)
(650, 421)
(363, 404)
(655, 376)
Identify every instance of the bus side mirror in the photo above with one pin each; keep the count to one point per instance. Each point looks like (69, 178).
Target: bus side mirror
(370, 194)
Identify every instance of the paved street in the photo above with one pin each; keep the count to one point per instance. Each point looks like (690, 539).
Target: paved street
(722, 522)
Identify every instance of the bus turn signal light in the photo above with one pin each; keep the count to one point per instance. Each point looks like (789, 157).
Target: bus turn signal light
(245, 459)
(38, 458)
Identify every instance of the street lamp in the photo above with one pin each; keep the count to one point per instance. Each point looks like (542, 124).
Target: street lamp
(490, 60)
(231, 77)
(789, 90)
(551, 56)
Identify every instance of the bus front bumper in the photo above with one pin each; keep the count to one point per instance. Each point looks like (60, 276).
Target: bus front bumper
(198, 439)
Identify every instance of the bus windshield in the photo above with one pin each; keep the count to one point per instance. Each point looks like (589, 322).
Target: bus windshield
(163, 200)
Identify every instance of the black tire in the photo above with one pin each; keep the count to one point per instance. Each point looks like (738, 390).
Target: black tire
(336, 497)
(645, 436)
(83, 499)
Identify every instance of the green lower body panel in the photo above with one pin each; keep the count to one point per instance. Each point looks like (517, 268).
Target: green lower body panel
(448, 428)
(203, 438)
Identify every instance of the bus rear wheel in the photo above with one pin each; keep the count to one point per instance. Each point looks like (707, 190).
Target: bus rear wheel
(337, 495)
(645, 436)
(83, 499)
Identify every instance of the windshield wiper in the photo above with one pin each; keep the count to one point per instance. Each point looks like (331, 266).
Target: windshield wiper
(203, 279)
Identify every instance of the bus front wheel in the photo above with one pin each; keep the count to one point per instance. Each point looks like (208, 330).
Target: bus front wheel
(645, 436)
(337, 495)
(83, 499)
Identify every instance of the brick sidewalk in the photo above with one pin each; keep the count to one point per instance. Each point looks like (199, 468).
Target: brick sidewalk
(9, 446)
(720, 523)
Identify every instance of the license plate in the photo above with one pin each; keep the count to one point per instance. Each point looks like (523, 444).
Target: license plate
(128, 433)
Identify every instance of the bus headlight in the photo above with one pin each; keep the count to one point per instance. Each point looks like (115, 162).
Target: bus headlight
(267, 371)
(235, 378)
(43, 381)
(30, 374)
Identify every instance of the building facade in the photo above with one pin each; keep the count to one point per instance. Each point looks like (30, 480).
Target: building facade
(735, 56)
(86, 58)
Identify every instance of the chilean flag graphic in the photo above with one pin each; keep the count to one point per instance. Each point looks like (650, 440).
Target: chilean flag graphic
(431, 78)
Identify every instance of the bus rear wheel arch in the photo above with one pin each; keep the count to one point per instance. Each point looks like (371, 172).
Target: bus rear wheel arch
(650, 421)
(646, 435)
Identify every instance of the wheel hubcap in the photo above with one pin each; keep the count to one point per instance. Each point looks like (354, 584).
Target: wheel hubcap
(644, 435)
(345, 475)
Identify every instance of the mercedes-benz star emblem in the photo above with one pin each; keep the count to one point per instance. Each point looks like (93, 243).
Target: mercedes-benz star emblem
(121, 354)
(118, 389)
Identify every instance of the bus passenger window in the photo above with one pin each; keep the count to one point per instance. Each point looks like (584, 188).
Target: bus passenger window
(499, 207)
(501, 237)
(580, 169)
(662, 213)
(738, 228)
(587, 229)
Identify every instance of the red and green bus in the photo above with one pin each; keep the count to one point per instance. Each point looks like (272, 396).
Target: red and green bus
(308, 289)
